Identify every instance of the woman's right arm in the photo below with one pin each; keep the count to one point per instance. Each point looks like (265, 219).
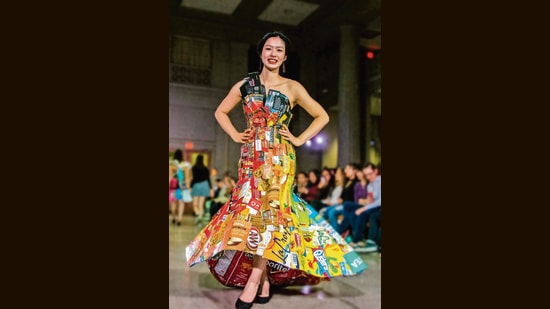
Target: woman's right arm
(222, 115)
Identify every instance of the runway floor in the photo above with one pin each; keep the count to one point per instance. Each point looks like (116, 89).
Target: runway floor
(196, 288)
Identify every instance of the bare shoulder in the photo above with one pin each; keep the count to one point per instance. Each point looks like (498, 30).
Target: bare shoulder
(296, 88)
(293, 83)
(235, 89)
(238, 84)
(298, 92)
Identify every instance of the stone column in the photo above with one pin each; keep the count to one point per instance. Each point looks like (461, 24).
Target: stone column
(368, 126)
(348, 96)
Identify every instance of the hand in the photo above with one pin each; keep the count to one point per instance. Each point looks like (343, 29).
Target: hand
(359, 211)
(285, 133)
(322, 183)
(245, 137)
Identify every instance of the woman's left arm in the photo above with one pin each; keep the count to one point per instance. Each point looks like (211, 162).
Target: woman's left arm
(313, 108)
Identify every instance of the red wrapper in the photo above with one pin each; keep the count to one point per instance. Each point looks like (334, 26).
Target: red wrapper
(232, 269)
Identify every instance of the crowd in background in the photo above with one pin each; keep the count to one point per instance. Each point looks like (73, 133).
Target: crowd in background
(350, 199)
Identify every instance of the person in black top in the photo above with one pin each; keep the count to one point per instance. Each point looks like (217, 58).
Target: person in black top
(200, 187)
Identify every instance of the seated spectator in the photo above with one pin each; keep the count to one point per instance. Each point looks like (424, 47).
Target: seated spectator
(221, 195)
(312, 191)
(301, 184)
(324, 188)
(375, 230)
(359, 199)
(334, 214)
(326, 182)
(362, 214)
(334, 197)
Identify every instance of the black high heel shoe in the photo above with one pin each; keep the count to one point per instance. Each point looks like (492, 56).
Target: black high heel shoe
(242, 305)
(263, 299)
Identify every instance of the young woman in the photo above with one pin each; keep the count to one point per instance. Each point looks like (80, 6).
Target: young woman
(312, 188)
(178, 186)
(301, 184)
(264, 217)
(201, 187)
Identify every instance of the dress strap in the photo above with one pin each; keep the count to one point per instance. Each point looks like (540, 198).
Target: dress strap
(252, 85)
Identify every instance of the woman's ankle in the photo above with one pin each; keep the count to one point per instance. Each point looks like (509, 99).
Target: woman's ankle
(249, 293)
(265, 289)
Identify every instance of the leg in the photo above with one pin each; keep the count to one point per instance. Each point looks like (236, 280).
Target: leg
(316, 204)
(349, 216)
(214, 208)
(374, 228)
(360, 225)
(325, 210)
(347, 212)
(181, 206)
(332, 215)
(264, 295)
(251, 288)
(173, 211)
(202, 199)
(195, 205)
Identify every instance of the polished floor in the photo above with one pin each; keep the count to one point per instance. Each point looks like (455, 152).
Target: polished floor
(194, 287)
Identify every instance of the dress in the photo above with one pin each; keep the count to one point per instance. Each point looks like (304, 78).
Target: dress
(264, 216)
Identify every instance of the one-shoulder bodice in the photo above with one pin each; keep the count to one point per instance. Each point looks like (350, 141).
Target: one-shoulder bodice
(261, 110)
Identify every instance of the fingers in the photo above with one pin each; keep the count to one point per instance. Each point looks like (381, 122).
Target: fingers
(284, 132)
(247, 136)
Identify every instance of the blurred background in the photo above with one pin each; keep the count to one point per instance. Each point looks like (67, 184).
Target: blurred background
(335, 53)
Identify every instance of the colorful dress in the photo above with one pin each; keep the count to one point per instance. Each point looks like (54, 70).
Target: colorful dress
(264, 216)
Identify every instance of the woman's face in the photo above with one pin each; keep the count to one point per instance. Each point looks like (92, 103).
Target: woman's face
(359, 174)
(273, 53)
(301, 178)
(326, 174)
(339, 175)
(312, 177)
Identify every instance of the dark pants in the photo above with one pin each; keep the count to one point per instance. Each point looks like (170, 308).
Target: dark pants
(375, 230)
(317, 205)
(214, 207)
(349, 216)
(359, 224)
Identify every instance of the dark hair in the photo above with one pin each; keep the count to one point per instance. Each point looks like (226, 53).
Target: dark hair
(355, 166)
(199, 161)
(268, 35)
(371, 165)
(178, 155)
(317, 175)
(301, 172)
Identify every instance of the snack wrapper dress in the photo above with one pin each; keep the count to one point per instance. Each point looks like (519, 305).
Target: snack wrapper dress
(264, 216)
